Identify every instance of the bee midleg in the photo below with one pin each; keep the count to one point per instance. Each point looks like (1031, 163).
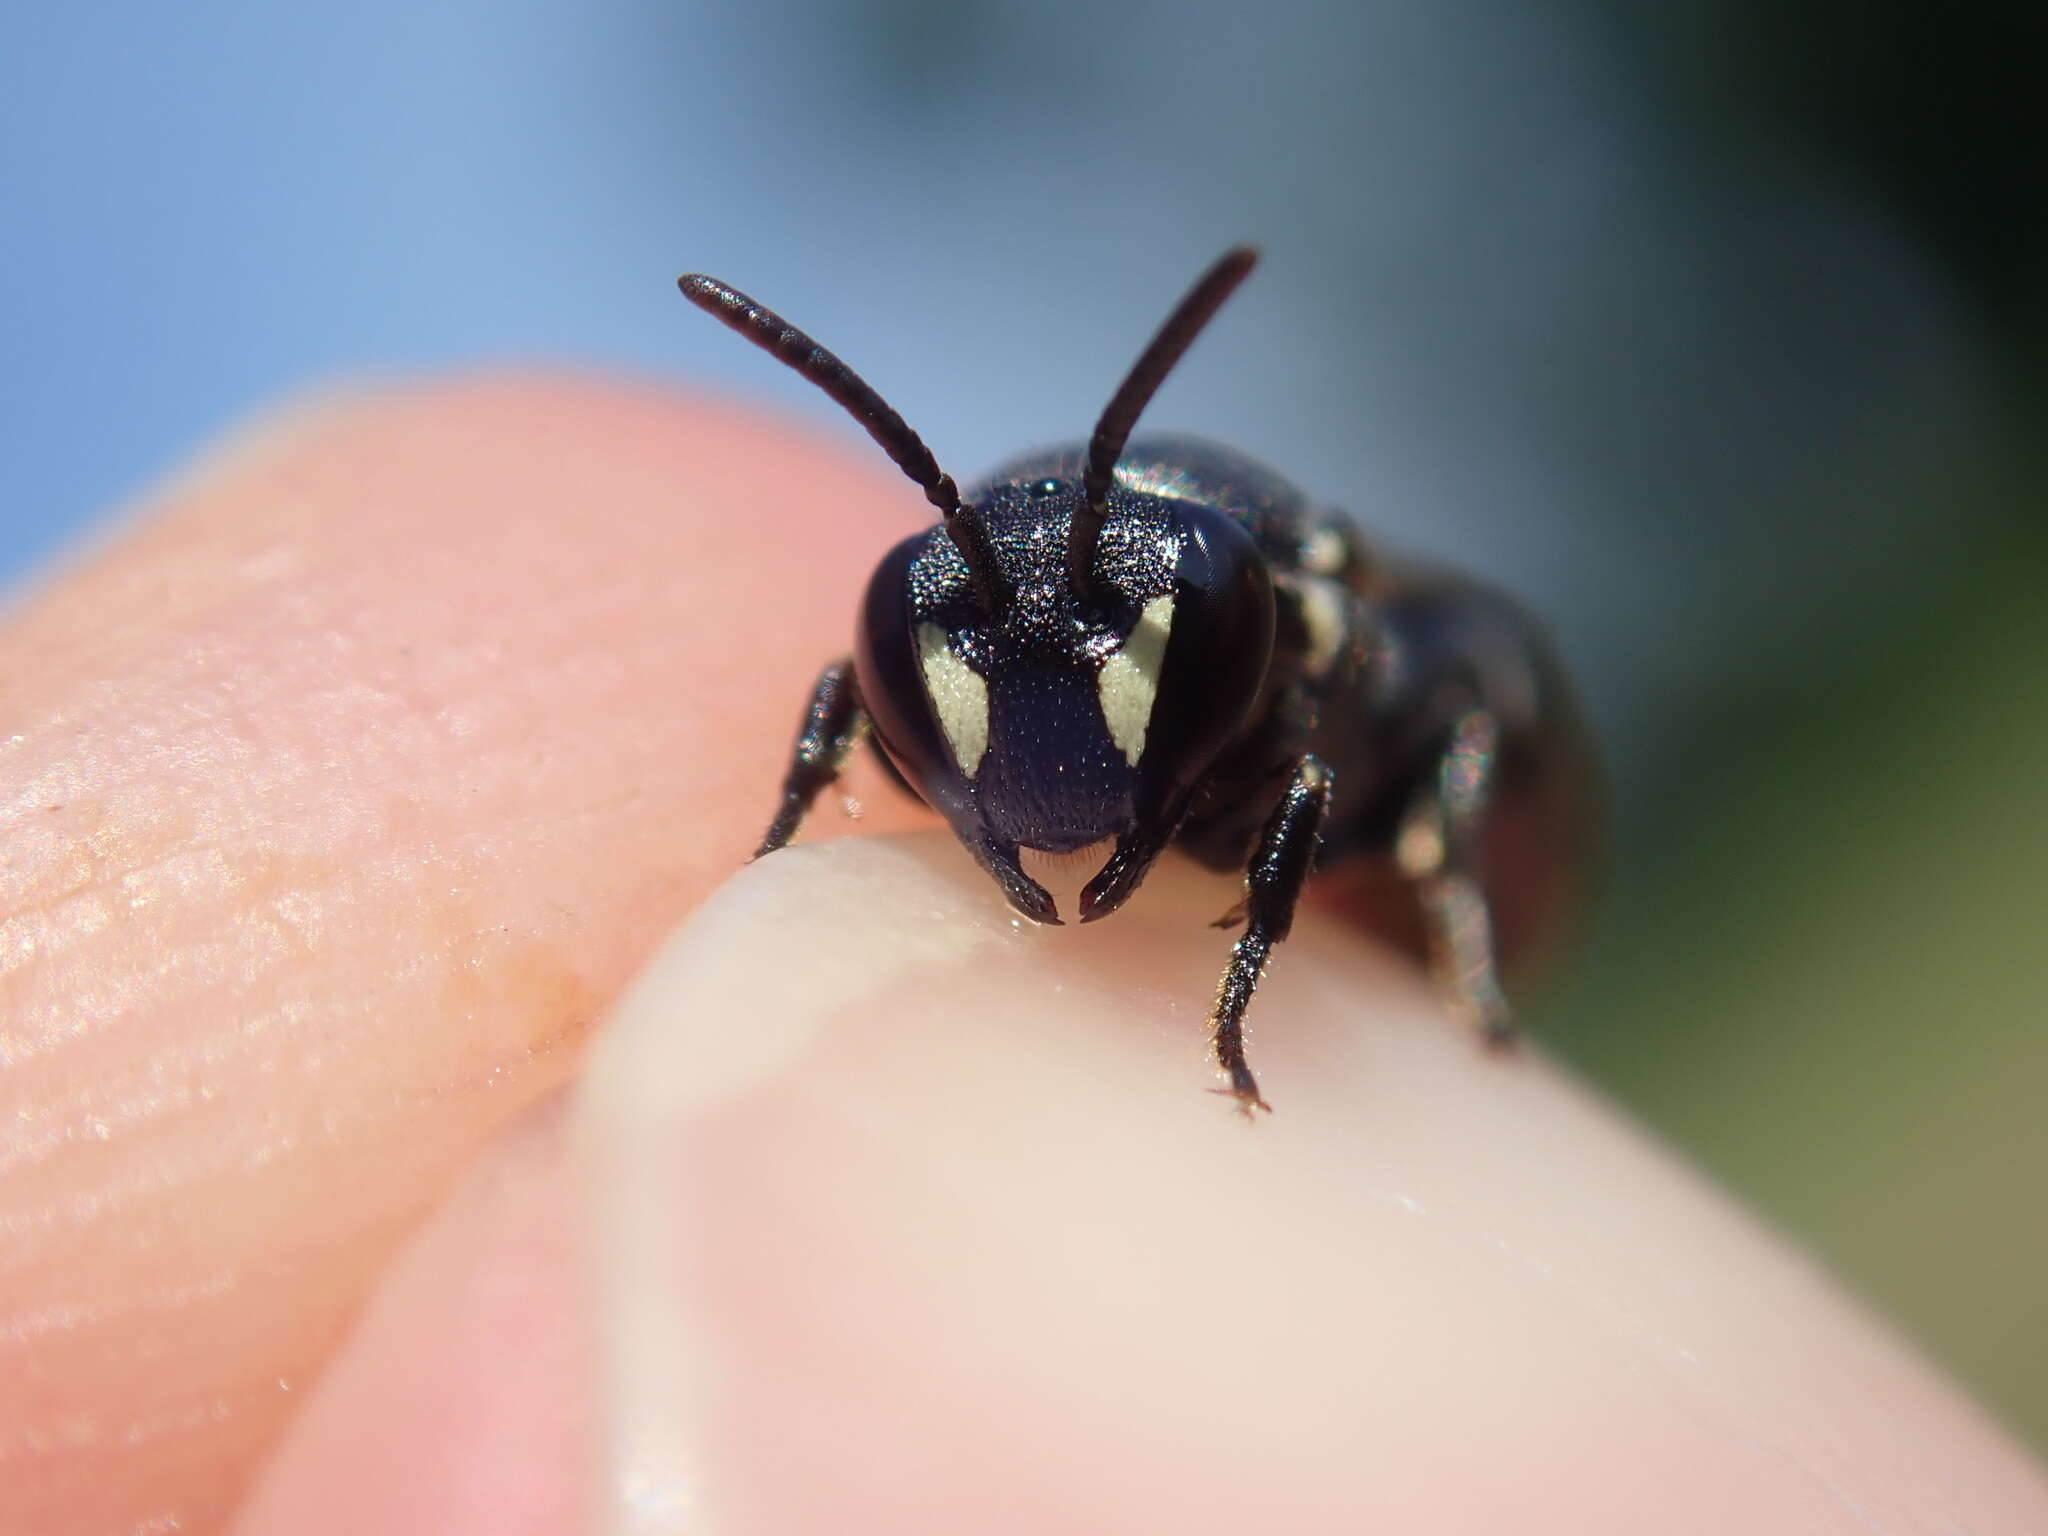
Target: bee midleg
(833, 722)
(1279, 867)
(1437, 848)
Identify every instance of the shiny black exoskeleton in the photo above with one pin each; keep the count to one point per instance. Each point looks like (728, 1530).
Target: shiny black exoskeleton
(1116, 647)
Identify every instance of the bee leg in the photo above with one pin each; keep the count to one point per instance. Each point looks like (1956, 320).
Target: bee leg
(1437, 849)
(833, 722)
(1272, 883)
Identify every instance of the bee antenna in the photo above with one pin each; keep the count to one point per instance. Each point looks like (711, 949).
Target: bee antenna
(784, 342)
(1113, 430)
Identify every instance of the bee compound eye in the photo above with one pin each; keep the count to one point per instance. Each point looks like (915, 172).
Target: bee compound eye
(1218, 650)
(929, 709)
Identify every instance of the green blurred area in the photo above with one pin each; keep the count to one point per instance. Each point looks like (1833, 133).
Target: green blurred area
(1826, 978)
(1822, 969)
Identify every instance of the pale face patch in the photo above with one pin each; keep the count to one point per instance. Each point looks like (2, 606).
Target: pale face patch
(1130, 679)
(1324, 552)
(1323, 605)
(959, 698)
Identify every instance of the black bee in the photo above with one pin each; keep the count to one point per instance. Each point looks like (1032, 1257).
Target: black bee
(1137, 643)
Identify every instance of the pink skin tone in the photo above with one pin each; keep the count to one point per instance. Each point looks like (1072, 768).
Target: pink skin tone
(346, 793)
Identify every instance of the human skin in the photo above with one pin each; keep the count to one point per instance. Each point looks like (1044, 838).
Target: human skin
(346, 791)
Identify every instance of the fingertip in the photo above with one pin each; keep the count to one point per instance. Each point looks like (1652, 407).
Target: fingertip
(904, 1215)
(340, 793)
(889, 1186)
(458, 1401)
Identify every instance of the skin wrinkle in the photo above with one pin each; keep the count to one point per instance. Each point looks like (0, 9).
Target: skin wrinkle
(194, 967)
(20, 1331)
(84, 1116)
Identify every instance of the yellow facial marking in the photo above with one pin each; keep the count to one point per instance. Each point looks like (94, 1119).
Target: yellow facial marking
(1130, 679)
(959, 698)
(1322, 603)
(1323, 552)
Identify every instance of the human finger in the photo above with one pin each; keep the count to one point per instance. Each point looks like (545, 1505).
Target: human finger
(903, 1216)
(339, 794)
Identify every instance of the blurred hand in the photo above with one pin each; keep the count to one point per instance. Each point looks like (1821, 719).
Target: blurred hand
(347, 792)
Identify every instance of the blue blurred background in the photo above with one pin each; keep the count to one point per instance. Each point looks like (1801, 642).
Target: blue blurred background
(1715, 328)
